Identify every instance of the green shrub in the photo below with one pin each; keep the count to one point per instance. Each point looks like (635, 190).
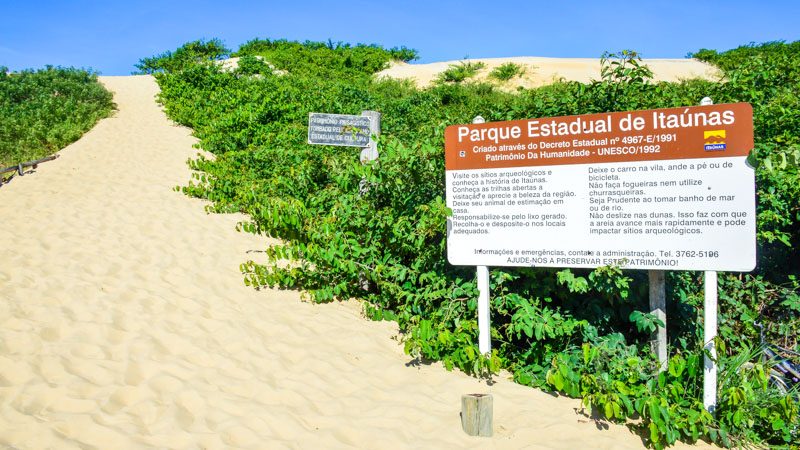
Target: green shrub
(250, 65)
(456, 73)
(507, 71)
(320, 59)
(187, 54)
(43, 111)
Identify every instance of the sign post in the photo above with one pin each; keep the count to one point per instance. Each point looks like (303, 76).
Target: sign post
(484, 299)
(709, 333)
(709, 330)
(349, 131)
(370, 151)
(658, 304)
(656, 190)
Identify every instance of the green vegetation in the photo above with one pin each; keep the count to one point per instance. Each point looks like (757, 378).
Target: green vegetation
(329, 59)
(507, 71)
(456, 73)
(185, 56)
(581, 332)
(43, 111)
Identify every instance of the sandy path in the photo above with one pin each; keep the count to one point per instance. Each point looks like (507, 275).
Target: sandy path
(124, 323)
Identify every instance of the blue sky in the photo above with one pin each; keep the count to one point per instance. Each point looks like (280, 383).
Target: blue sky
(110, 36)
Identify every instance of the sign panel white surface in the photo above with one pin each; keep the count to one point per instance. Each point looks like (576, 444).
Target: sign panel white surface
(645, 197)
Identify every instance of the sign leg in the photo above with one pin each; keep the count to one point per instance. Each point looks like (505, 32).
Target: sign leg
(370, 152)
(484, 321)
(709, 333)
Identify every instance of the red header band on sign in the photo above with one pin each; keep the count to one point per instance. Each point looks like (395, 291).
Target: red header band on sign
(659, 134)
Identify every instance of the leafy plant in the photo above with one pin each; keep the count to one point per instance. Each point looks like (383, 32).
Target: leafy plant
(622, 75)
(251, 65)
(456, 73)
(42, 111)
(325, 59)
(507, 71)
(187, 54)
(624, 68)
(645, 322)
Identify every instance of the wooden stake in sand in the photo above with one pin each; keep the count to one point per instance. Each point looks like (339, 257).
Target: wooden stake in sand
(476, 414)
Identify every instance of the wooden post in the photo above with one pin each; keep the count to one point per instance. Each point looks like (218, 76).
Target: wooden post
(658, 304)
(370, 152)
(484, 312)
(658, 308)
(476, 414)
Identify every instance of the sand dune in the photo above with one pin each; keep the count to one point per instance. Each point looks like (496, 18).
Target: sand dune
(540, 71)
(124, 323)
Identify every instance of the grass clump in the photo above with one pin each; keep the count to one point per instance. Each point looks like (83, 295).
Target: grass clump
(43, 111)
(456, 73)
(507, 71)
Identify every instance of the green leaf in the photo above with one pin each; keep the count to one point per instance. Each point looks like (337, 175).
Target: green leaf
(655, 435)
(587, 353)
(556, 380)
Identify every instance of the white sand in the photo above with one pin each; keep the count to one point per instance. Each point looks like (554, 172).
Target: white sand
(541, 71)
(124, 323)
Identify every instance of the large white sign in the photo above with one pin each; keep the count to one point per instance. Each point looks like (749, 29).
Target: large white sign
(632, 191)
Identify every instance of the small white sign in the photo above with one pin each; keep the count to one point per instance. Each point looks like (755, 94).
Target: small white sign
(338, 129)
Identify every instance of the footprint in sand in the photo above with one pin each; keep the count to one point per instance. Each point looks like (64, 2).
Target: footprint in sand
(239, 437)
(13, 373)
(125, 397)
